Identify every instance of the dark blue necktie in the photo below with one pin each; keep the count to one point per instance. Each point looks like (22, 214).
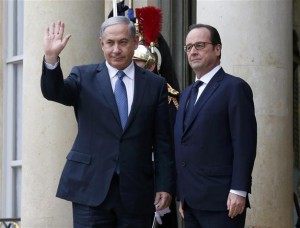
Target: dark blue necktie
(192, 100)
(121, 98)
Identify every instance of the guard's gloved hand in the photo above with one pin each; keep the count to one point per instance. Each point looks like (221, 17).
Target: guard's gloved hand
(121, 9)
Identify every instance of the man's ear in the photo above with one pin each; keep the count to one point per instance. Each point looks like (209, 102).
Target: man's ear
(218, 47)
(100, 42)
(136, 41)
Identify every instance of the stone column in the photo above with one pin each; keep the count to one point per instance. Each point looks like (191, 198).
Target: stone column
(257, 46)
(49, 128)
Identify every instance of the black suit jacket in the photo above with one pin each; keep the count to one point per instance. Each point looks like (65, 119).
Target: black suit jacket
(101, 140)
(216, 151)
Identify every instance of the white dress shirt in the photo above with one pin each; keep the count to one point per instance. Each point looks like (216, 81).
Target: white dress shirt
(205, 79)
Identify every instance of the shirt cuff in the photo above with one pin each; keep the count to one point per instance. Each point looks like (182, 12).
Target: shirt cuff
(50, 66)
(240, 193)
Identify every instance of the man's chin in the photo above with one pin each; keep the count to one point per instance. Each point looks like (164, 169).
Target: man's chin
(118, 65)
(195, 65)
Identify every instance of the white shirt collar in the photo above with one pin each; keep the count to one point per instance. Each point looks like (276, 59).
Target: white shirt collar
(129, 71)
(208, 76)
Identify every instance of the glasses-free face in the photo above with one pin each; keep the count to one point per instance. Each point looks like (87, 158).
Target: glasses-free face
(198, 46)
(118, 45)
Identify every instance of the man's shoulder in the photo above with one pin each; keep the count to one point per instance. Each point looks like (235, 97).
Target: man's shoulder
(234, 80)
(235, 83)
(90, 66)
(89, 69)
(150, 76)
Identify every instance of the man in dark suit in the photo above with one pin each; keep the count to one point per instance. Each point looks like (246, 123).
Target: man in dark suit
(215, 138)
(108, 175)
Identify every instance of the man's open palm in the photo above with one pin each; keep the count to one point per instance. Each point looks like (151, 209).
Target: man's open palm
(54, 41)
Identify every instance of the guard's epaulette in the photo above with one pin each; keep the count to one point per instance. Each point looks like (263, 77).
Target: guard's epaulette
(172, 91)
(172, 97)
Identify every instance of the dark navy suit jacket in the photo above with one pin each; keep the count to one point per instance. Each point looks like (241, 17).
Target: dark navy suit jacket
(216, 151)
(101, 140)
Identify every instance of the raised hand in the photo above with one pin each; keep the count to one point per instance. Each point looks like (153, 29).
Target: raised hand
(54, 41)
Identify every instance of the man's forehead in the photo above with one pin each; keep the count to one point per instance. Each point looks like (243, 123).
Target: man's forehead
(198, 33)
(116, 27)
(118, 33)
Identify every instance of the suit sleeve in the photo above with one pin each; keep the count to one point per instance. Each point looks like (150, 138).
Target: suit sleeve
(55, 88)
(163, 154)
(243, 128)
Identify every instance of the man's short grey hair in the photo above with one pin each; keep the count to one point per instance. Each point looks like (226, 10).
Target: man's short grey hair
(118, 20)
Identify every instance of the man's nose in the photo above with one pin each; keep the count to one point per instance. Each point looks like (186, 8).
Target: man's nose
(116, 48)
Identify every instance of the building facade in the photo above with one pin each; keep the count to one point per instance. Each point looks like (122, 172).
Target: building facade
(36, 134)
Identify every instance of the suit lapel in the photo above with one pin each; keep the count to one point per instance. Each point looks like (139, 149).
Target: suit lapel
(206, 94)
(104, 86)
(182, 106)
(139, 89)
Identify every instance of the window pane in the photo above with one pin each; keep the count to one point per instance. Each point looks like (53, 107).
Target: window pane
(20, 26)
(17, 192)
(18, 109)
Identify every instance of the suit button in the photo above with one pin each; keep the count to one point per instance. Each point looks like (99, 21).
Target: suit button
(183, 164)
(115, 159)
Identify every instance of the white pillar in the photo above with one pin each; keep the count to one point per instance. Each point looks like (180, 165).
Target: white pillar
(257, 46)
(49, 128)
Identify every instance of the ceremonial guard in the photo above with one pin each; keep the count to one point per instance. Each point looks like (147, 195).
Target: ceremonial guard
(153, 54)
